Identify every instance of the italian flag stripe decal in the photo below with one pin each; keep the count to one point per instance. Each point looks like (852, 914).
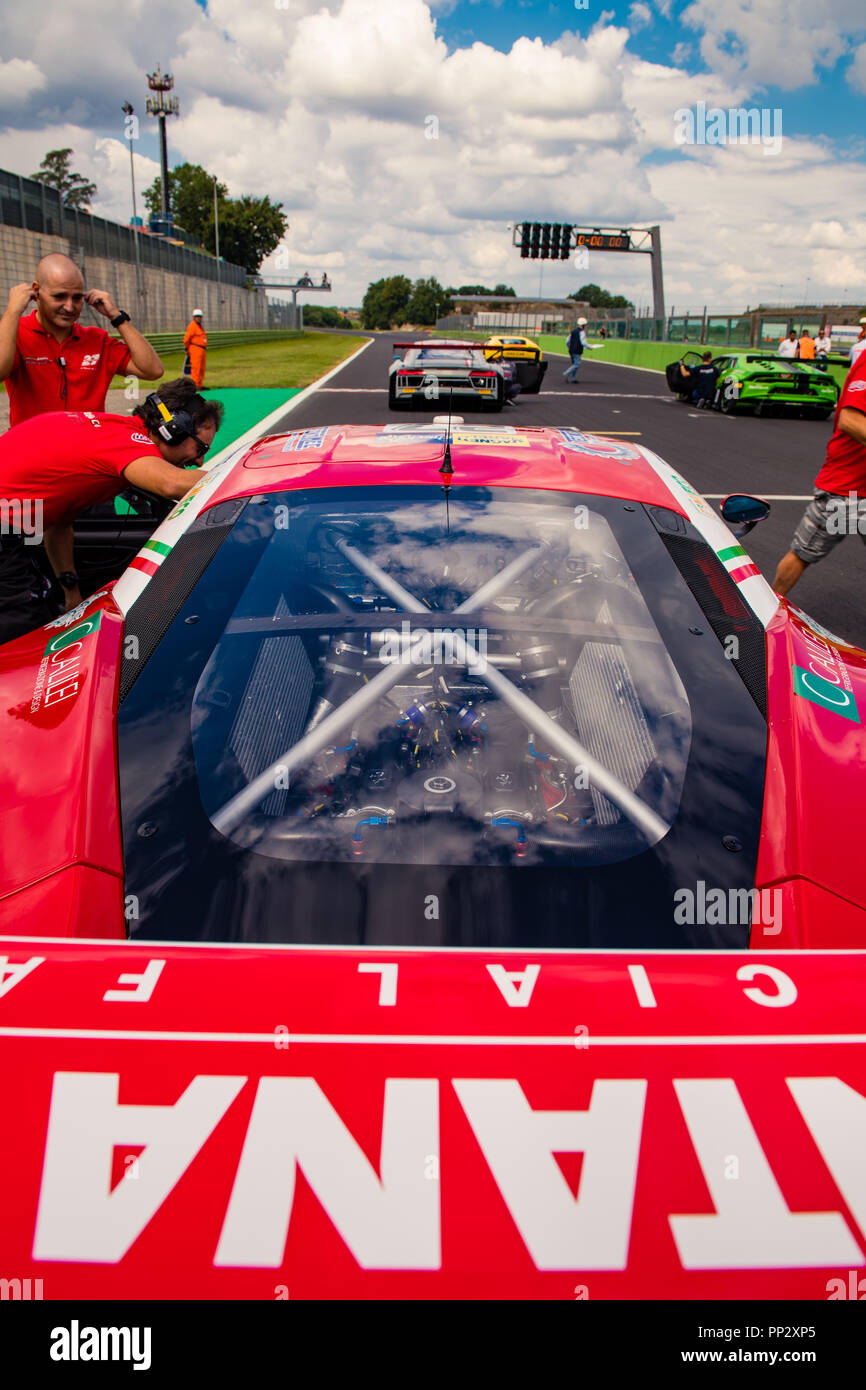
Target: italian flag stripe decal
(148, 567)
(731, 551)
(165, 549)
(745, 572)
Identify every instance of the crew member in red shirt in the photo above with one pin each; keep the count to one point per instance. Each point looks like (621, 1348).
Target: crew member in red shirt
(50, 363)
(54, 466)
(835, 510)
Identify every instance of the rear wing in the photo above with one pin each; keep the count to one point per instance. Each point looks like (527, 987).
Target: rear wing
(512, 352)
(443, 347)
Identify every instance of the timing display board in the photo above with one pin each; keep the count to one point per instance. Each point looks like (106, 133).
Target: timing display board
(603, 241)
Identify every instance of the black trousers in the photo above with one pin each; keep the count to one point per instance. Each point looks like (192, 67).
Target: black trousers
(25, 594)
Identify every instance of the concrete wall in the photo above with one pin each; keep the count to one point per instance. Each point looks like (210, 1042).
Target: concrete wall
(166, 302)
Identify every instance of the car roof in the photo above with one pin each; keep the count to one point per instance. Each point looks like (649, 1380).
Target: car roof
(562, 459)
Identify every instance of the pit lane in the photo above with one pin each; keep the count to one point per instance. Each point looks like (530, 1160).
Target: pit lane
(775, 457)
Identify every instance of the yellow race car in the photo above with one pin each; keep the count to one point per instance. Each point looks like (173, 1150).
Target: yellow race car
(525, 354)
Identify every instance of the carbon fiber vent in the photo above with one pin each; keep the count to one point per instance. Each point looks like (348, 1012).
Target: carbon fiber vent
(156, 608)
(725, 610)
(272, 709)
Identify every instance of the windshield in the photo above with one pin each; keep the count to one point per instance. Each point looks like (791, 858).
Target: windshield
(389, 683)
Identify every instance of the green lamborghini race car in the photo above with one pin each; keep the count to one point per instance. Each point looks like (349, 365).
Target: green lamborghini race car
(761, 382)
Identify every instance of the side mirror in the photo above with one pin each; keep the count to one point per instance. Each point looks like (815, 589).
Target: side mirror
(742, 512)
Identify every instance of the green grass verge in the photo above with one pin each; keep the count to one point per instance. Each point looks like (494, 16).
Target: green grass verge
(653, 357)
(289, 362)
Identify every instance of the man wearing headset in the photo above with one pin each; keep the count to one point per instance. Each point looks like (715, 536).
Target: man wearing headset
(54, 466)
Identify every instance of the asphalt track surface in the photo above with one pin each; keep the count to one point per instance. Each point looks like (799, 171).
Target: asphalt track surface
(718, 454)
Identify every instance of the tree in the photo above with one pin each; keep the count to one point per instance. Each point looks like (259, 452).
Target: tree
(386, 302)
(54, 172)
(250, 229)
(190, 190)
(323, 316)
(597, 298)
(428, 298)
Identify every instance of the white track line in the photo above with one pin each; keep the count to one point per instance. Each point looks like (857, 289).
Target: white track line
(610, 395)
(256, 432)
(581, 1043)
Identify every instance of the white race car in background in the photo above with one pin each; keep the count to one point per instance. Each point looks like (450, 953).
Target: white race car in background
(433, 370)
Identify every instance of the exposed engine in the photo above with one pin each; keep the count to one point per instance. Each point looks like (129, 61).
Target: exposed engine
(448, 735)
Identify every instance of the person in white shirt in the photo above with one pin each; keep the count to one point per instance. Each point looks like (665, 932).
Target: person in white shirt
(859, 345)
(823, 345)
(788, 346)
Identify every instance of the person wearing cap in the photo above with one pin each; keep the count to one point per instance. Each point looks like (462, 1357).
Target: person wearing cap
(703, 379)
(54, 466)
(195, 342)
(575, 344)
(48, 361)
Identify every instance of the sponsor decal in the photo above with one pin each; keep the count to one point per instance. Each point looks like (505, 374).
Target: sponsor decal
(816, 626)
(67, 619)
(592, 444)
(506, 438)
(305, 439)
(139, 439)
(857, 386)
(696, 498)
(59, 675)
(410, 439)
(825, 692)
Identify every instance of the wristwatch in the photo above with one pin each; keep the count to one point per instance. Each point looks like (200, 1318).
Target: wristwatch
(68, 578)
(122, 317)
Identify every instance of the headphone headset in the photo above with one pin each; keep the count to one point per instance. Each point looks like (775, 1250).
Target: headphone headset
(173, 428)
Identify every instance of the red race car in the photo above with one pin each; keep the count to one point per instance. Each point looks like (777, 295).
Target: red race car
(431, 870)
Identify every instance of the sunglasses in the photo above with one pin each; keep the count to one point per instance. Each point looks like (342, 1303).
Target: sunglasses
(200, 446)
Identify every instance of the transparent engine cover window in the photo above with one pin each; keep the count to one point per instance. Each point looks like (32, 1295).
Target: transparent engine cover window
(391, 690)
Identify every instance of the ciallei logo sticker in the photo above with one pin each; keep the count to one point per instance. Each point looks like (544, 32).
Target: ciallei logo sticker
(59, 675)
(823, 692)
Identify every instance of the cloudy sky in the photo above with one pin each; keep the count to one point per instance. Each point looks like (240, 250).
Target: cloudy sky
(403, 136)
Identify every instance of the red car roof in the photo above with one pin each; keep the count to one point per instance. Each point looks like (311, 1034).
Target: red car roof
(564, 460)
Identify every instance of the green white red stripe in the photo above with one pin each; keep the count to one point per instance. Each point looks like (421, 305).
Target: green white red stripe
(150, 563)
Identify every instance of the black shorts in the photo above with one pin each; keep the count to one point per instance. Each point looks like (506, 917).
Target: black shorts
(25, 594)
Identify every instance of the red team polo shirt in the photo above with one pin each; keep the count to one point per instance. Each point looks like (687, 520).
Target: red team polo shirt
(39, 383)
(844, 468)
(70, 461)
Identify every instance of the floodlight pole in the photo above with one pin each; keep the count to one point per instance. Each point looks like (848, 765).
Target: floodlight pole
(162, 105)
(129, 110)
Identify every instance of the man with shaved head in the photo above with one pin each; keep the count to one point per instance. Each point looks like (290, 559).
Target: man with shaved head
(50, 363)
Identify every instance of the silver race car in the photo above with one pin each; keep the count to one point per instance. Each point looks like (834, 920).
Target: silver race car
(432, 370)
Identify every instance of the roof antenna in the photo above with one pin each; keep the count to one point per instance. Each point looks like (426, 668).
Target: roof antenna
(446, 470)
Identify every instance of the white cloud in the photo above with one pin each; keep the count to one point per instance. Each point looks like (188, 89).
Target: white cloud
(857, 70)
(324, 106)
(639, 16)
(19, 79)
(776, 42)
